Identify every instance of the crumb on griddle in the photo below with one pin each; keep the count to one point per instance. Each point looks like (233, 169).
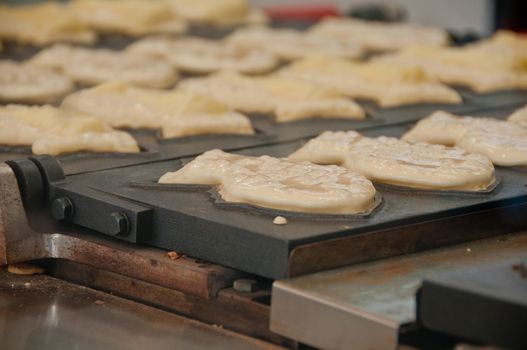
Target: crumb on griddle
(173, 255)
(280, 220)
(24, 269)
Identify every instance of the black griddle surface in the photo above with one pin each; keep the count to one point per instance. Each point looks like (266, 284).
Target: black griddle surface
(188, 221)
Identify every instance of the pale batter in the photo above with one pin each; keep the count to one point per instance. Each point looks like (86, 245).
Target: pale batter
(278, 183)
(393, 161)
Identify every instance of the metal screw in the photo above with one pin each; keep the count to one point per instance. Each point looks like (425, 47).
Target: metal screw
(119, 225)
(245, 285)
(62, 208)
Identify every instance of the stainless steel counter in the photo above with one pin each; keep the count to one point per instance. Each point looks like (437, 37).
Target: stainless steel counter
(40, 312)
(367, 306)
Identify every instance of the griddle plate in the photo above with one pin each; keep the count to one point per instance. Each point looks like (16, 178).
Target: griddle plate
(190, 222)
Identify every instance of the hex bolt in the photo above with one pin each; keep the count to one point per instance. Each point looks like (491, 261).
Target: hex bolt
(119, 224)
(61, 208)
(245, 285)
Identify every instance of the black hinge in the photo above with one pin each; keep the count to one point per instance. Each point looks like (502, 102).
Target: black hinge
(42, 182)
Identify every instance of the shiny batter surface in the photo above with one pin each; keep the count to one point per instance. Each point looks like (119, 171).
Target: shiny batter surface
(288, 99)
(393, 161)
(381, 36)
(95, 66)
(50, 130)
(197, 55)
(176, 113)
(504, 142)
(24, 83)
(43, 24)
(278, 183)
(290, 44)
(387, 84)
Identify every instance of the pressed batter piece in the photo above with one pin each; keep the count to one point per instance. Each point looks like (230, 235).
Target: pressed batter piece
(200, 56)
(441, 127)
(504, 42)
(218, 12)
(380, 36)
(519, 117)
(290, 44)
(131, 17)
(288, 99)
(397, 162)
(505, 143)
(43, 24)
(176, 113)
(50, 130)
(278, 183)
(386, 84)
(479, 68)
(21, 82)
(95, 66)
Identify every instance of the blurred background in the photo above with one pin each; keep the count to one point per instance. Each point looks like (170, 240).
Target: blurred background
(478, 17)
(462, 15)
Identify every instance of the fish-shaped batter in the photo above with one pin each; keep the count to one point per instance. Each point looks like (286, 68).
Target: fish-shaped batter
(95, 66)
(386, 84)
(381, 36)
(20, 82)
(130, 17)
(50, 130)
(176, 113)
(287, 99)
(290, 44)
(505, 143)
(43, 24)
(278, 183)
(397, 162)
(202, 56)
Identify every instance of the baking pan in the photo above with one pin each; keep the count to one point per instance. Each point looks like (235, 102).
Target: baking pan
(191, 222)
